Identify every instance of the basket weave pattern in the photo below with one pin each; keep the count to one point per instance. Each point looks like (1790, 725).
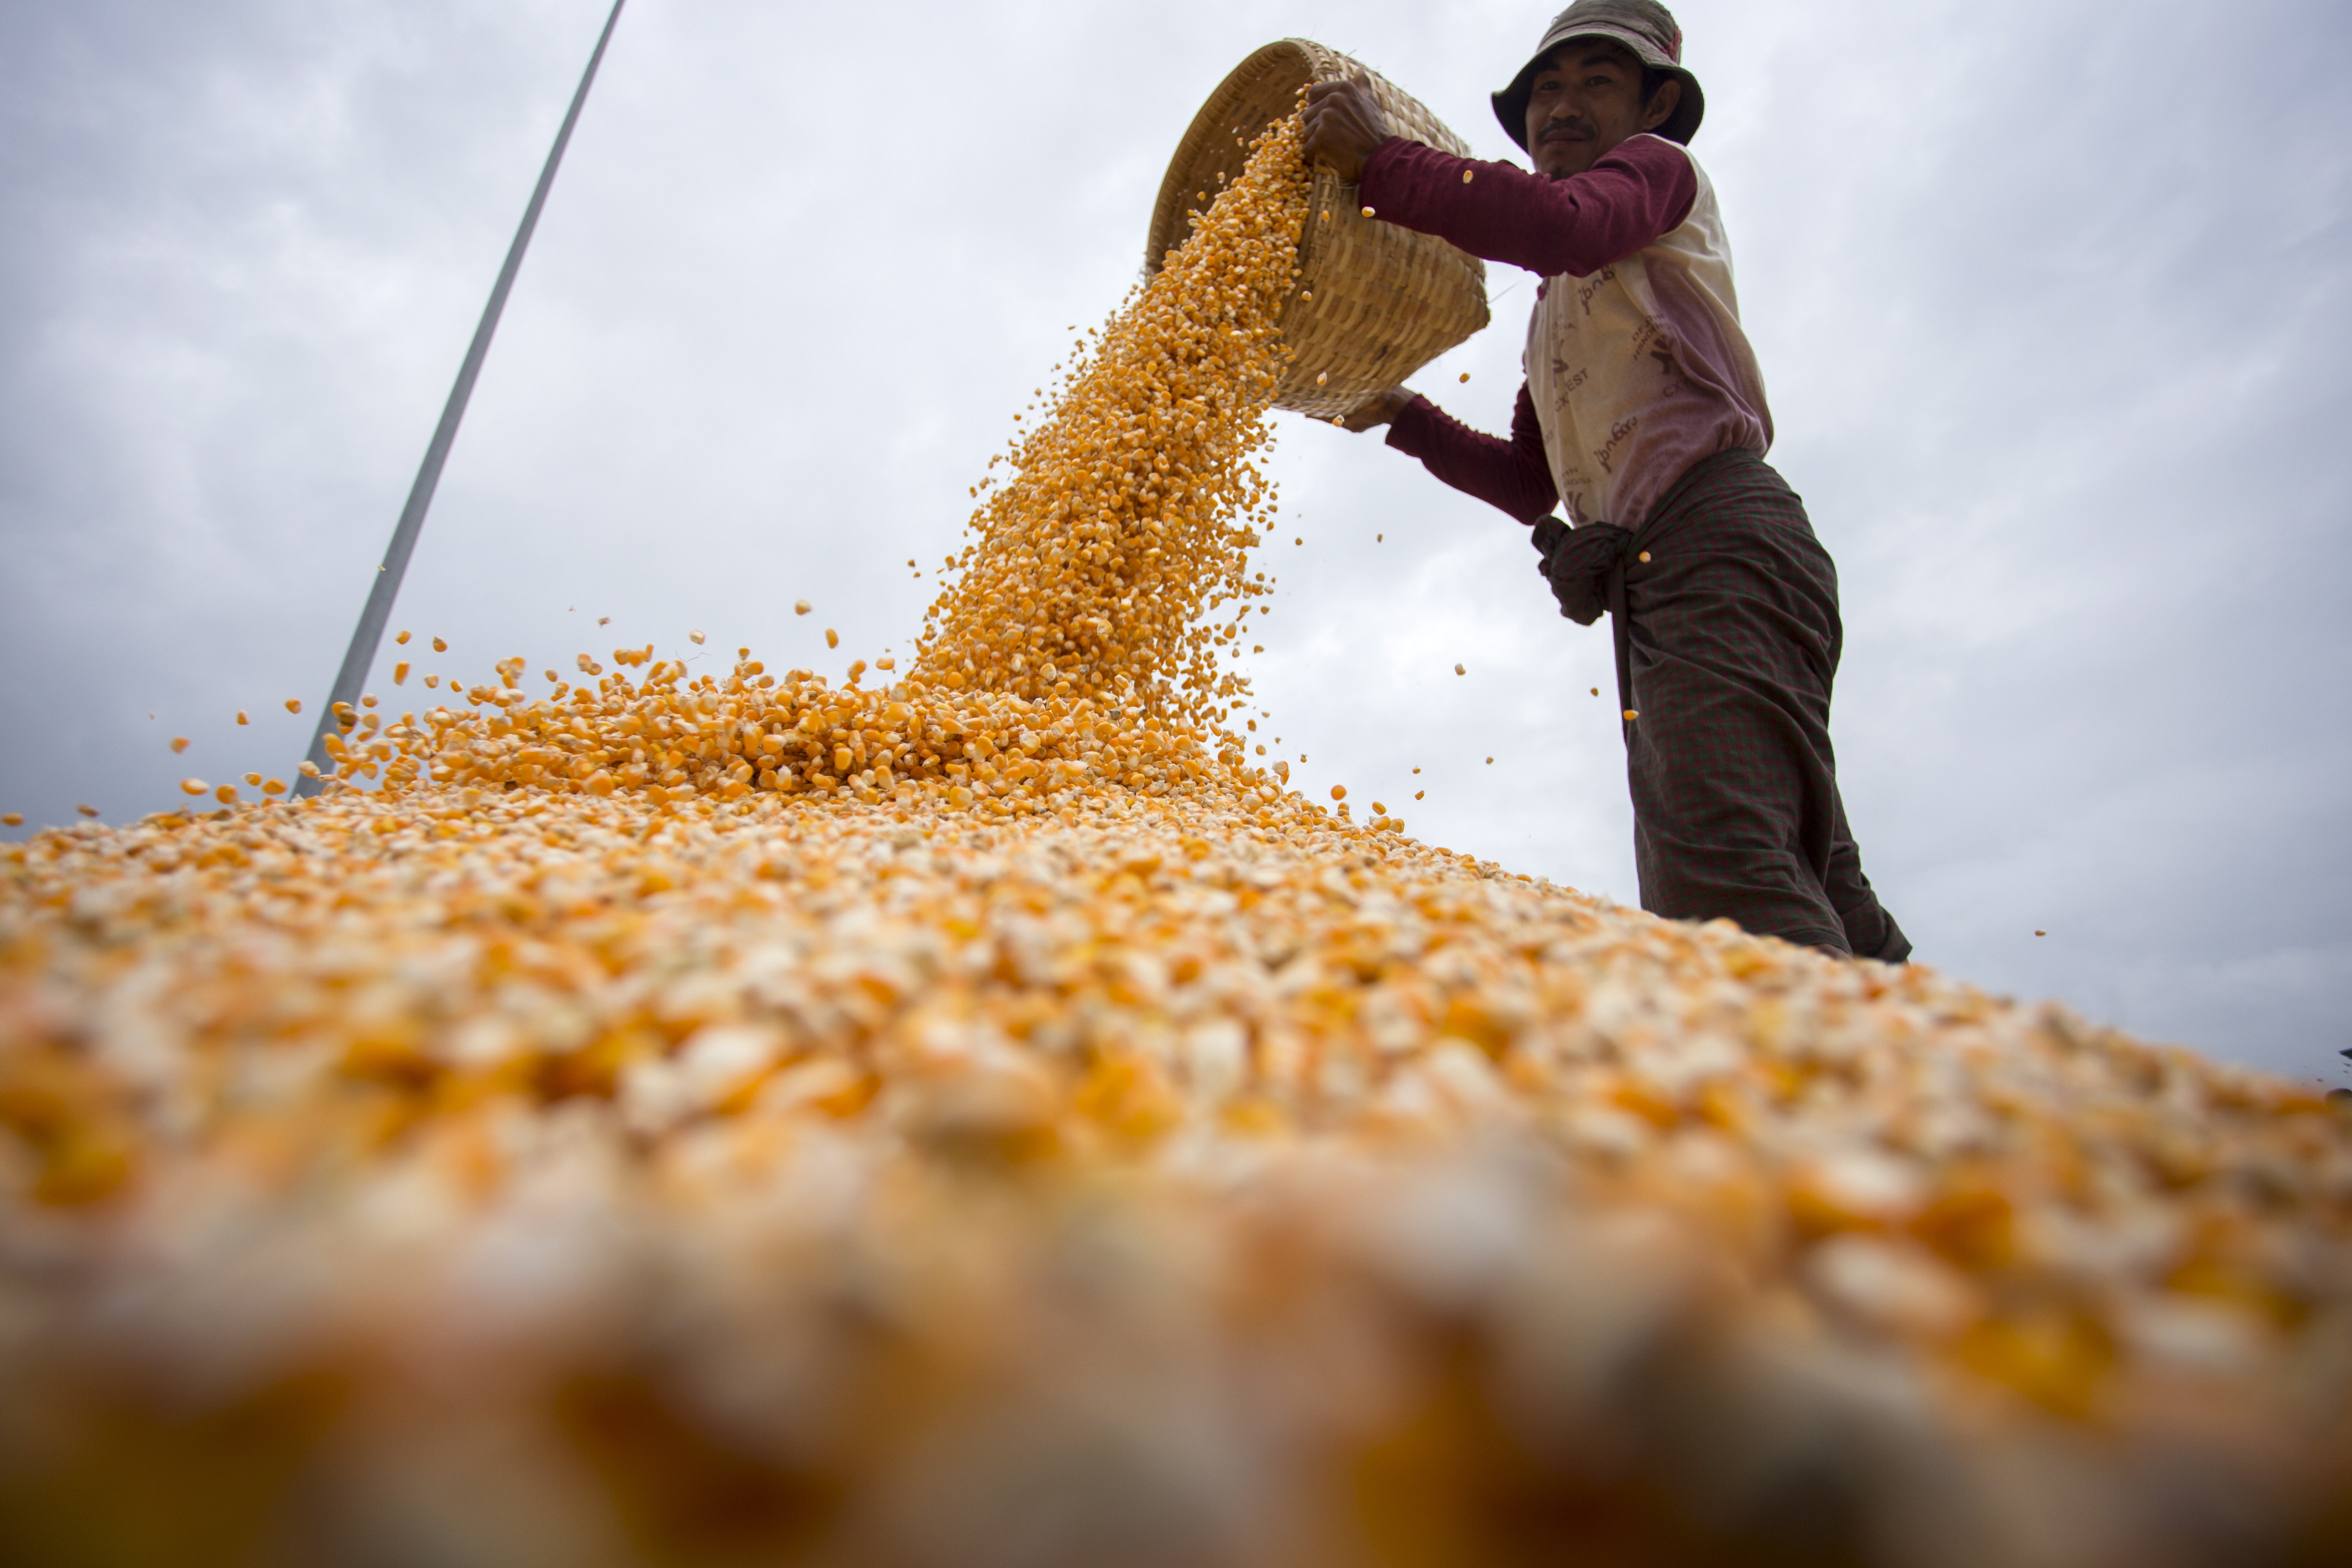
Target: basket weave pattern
(1385, 301)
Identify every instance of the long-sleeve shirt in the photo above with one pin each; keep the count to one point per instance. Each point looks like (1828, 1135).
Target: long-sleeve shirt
(1637, 366)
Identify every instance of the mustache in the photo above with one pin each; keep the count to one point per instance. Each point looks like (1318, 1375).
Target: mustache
(1569, 130)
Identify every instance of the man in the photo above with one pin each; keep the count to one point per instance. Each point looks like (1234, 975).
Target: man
(1643, 412)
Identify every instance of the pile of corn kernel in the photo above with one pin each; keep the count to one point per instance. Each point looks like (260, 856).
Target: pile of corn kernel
(981, 1119)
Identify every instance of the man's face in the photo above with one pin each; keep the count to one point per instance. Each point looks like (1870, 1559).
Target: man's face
(1587, 99)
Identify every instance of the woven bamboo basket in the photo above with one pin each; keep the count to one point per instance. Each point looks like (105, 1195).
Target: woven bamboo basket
(1387, 300)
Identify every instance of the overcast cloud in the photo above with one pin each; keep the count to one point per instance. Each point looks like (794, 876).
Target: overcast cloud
(2050, 295)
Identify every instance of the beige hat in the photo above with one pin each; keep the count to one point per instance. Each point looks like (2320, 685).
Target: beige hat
(1644, 26)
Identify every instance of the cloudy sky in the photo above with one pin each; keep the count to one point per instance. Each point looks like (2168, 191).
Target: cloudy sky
(2051, 296)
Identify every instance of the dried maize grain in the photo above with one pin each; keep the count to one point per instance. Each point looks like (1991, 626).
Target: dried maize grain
(944, 1139)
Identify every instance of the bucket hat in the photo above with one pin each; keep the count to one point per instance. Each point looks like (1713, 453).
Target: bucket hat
(1643, 26)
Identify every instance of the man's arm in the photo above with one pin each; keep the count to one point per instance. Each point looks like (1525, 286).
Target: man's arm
(1640, 189)
(1512, 476)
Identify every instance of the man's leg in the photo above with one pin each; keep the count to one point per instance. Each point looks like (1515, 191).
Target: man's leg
(1870, 930)
(1721, 789)
(1734, 639)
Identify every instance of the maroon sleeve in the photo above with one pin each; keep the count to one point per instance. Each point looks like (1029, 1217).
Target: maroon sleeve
(1641, 188)
(1513, 475)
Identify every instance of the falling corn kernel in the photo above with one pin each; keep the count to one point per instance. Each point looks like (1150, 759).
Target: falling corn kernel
(402, 639)
(400, 674)
(12, 819)
(1379, 810)
(1338, 792)
(2042, 934)
(226, 794)
(1368, 211)
(694, 637)
(1596, 691)
(179, 744)
(832, 638)
(273, 786)
(1418, 793)
(441, 647)
(1466, 174)
(254, 780)
(1632, 714)
(800, 606)
(1490, 762)
(86, 810)
(1465, 375)
(194, 787)
(1644, 556)
(293, 705)
(1461, 669)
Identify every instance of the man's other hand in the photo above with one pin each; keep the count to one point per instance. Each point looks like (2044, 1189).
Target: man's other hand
(1344, 126)
(1377, 410)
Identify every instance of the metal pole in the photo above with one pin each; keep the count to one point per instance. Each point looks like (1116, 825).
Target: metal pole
(369, 634)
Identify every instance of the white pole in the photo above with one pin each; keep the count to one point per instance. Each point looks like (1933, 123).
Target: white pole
(369, 634)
